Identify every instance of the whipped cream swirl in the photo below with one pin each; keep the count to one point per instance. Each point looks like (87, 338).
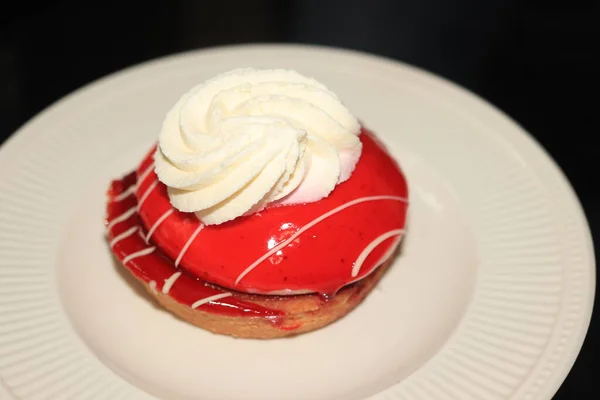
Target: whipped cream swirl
(247, 138)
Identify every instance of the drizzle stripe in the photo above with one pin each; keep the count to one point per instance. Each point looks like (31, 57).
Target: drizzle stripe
(125, 194)
(187, 244)
(209, 299)
(144, 175)
(310, 225)
(121, 217)
(124, 235)
(137, 254)
(169, 282)
(370, 247)
(158, 222)
(147, 193)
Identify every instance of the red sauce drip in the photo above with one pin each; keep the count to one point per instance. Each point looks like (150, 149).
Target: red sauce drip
(157, 267)
(320, 259)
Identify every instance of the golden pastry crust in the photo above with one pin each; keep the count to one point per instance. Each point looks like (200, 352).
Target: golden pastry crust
(303, 313)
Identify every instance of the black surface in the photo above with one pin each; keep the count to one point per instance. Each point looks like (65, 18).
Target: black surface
(533, 60)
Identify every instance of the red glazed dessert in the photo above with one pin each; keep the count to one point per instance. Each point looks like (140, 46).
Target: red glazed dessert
(290, 264)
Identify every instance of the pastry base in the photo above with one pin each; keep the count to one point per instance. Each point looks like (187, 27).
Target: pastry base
(302, 313)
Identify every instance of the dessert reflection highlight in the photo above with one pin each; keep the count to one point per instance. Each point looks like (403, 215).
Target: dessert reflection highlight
(264, 211)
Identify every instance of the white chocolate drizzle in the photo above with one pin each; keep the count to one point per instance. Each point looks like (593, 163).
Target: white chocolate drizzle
(147, 193)
(370, 247)
(158, 222)
(391, 250)
(209, 299)
(310, 225)
(143, 252)
(121, 217)
(188, 244)
(152, 285)
(169, 282)
(124, 235)
(125, 194)
(144, 175)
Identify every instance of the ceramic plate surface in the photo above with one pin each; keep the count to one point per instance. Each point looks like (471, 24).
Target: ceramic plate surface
(490, 297)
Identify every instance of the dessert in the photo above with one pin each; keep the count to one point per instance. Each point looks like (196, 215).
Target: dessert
(265, 210)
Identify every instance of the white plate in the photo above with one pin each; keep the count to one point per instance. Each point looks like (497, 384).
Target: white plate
(489, 299)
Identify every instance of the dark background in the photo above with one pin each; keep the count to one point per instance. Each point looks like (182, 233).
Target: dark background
(532, 59)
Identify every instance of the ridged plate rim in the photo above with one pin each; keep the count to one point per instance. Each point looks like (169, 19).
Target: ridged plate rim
(571, 296)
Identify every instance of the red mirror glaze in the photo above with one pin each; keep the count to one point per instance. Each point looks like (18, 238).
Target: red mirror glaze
(250, 254)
